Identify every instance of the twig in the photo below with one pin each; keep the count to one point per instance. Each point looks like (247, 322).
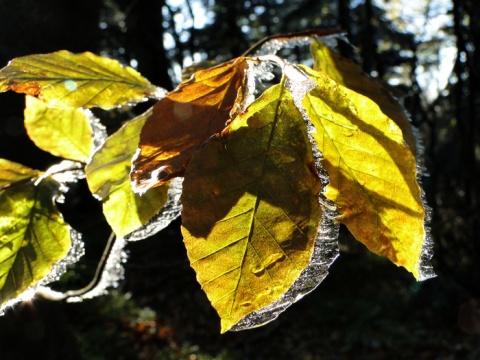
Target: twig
(292, 35)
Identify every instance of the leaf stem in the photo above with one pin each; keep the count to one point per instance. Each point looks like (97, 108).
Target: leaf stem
(62, 167)
(272, 58)
(98, 272)
(49, 294)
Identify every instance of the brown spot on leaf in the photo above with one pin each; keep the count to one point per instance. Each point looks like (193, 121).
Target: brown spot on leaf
(30, 88)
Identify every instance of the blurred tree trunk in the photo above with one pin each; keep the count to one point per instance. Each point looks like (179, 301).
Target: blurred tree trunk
(144, 41)
(368, 39)
(462, 110)
(466, 104)
(344, 17)
(233, 35)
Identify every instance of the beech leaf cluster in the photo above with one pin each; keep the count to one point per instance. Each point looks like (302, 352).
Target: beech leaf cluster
(263, 158)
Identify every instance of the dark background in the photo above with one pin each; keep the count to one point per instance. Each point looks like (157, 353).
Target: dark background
(366, 308)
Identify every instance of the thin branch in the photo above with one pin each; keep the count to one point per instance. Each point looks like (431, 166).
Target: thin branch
(49, 294)
(293, 35)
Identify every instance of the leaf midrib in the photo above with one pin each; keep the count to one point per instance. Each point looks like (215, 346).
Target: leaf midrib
(258, 186)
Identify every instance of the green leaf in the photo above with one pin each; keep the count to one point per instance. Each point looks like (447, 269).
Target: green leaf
(108, 177)
(11, 172)
(33, 234)
(66, 80)
(250, 208)
(372, 171)
(62, 132)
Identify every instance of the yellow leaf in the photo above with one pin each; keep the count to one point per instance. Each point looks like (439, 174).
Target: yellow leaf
(184, 120)
(350, 75)
(108, 178)
(372, 171)
(66, 80)
(62, 132)
(33, 234)
(250, 208)
(11, 172)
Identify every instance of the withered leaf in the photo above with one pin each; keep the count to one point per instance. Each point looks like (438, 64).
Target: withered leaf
(184, 120)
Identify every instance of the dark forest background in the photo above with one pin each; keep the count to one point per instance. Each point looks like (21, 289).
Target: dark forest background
(366, 308)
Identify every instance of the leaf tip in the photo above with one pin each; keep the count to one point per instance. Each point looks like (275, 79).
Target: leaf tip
(225, 325)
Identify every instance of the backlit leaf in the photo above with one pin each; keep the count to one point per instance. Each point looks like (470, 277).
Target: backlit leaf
(108, 178)
(250, 208)
(11, 172)
(372, 171)
(33, 235)
(184, 120)
(66, 80)
(350, 75)
(188, 71)
(62, 132)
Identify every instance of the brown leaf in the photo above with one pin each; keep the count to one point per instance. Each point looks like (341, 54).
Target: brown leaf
(184, 120)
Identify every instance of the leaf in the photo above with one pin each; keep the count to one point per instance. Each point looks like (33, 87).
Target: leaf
(65, 80)
(184, 120)
(11, 172)
(62, 132)
(188, 71)
(108, 178)
(250, 208)
(33, 235)
(169, 212)
(372, 171)
(350, 75)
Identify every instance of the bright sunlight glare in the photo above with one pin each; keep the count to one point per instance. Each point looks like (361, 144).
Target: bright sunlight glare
(426, 20)
(436, 52)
